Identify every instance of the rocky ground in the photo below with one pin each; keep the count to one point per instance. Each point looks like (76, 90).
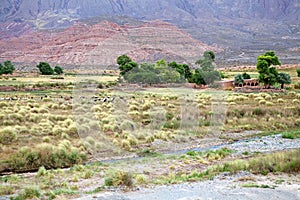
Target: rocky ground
(243, 185)
(222, 187)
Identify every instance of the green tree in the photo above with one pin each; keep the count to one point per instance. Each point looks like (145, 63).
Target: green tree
(210, 77)
(265, 67)
(206, 74)
(183, 69)
(283, 78)
(246, 76)
(197, 77)
(7, 68)
(125, 64)
(123, 59)
(167, 74)
(45, 68)
(207, 62)
(58, 70)
(298, 72)
(238, 79)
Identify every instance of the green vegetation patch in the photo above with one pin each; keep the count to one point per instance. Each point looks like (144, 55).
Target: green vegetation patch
(291, 135)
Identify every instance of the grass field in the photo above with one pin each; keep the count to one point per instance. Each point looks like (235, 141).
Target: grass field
(66, 124)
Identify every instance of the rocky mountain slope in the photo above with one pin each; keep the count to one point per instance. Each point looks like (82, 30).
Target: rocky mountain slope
(163, 9)
(244, 27)
(100, 44)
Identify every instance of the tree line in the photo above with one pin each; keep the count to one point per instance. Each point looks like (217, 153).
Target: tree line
(45, 69)
(172, 72)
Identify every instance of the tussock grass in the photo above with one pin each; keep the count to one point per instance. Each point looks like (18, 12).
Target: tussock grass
(119, 178)
(8, 135)
(287, 162)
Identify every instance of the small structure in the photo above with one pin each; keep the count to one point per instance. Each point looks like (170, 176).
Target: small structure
(247, 83)
(251, 82)
(226, 84)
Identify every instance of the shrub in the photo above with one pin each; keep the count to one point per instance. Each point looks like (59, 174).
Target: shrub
(291, 135)
(42, 171)
(46, 139)
(133, 108)
(171, 105)
(128, 125)
(172, 124)
(296, 101)
(298, 72)
(262, 102)
(146, 106)
(45, 155)
(119, 178)
(259, 112)
(58, 70)
(132, 140)
(238, 80)
(6, 190)
(7, 135)
(30, 193)
(45, 68)
(246, 76)
(126, 144)
(140, 179)
(297, 86)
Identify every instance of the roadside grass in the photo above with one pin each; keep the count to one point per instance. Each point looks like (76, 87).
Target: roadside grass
(291, 134)
(161, 169)
(254, 185)
(279, 162)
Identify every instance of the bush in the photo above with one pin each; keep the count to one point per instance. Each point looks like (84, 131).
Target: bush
(45, 155)
(45, 68)
(172, 124)
(238, 80)
(42, 171)
(7, 135)
(291, 135)
(58, 70)
(119, 178)
(7, 68)
(259, 112)
(29, 193)
(298, 72)
(246, 76)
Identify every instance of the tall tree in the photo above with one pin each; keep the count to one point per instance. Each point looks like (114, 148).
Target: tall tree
(125, 64)
(283, 78)
(207, 62)
(266, 68)
(206, 74)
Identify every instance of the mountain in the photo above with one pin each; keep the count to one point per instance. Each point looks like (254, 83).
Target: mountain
(242, 27)
(100, 44)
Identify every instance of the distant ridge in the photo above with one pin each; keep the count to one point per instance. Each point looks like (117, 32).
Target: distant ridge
(100, 44)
